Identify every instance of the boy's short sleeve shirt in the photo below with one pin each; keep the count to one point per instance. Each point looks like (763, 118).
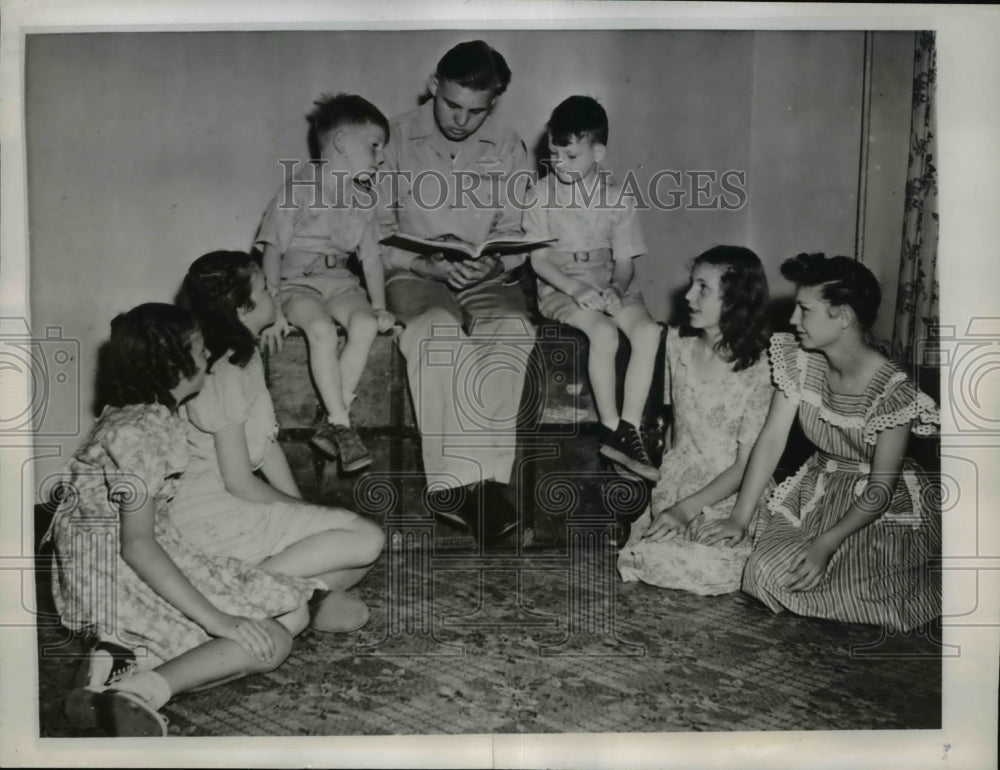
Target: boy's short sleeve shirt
(305, 226)
(473, 196)
(585, 220)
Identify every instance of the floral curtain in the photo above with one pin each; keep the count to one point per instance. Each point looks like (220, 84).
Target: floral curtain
(917, 301)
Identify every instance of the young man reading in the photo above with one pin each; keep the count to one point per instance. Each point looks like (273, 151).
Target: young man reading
(450, 170)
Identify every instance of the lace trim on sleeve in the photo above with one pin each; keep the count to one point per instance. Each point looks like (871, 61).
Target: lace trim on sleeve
(921, 414)
(787, 380)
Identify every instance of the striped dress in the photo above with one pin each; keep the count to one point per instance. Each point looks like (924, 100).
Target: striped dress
(879, 574)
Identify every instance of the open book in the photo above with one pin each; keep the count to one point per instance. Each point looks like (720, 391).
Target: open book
(458, 250)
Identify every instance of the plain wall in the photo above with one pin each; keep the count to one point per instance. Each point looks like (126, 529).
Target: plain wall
(146, 150)
(805, 147)
(888, 157)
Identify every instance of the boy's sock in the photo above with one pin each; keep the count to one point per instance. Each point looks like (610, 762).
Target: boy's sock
(149, 686)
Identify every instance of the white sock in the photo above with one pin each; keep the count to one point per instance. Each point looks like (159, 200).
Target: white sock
(149, 686)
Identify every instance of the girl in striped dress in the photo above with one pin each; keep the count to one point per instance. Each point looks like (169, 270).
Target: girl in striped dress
(849, 536)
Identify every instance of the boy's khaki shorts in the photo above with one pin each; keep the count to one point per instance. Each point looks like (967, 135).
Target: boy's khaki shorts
(323, 286)
(559, 307)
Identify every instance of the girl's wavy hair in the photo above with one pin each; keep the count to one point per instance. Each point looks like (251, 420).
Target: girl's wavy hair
(743, 289)
(148, 354)
(842, 281)
(216, 286)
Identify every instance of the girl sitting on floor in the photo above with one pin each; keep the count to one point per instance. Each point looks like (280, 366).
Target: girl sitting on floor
(718, 382)
(222, 506)
(848, 537)
(170, 617)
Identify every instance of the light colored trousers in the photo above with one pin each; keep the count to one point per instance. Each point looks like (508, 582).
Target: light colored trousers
(466, 356)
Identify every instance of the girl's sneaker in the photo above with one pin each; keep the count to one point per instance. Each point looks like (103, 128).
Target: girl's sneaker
(95, 703)
(105, 664)
(115, 712)
(339, 613)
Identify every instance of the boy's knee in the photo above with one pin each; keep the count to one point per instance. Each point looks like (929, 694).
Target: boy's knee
(362, 325)
(320, 331)
(603, 337)
(646, 334)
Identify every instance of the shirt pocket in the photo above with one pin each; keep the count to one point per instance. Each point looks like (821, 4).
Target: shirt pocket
(483, 185)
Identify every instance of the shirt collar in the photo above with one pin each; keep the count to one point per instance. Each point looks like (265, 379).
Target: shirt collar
(425, 127)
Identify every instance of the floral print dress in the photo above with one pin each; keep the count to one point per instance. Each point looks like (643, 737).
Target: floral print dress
(711, 420)
(879, 575)
(136, 451)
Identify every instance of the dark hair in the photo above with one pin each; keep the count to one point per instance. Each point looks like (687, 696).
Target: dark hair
(216, 286)
(578, 116)
(476, 66)
(148, 354)
(842, 281)
(743, 290)
(331, 112)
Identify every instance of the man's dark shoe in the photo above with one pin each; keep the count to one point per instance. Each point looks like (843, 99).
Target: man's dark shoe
(458, 507)
(499, 513)
(627, 447)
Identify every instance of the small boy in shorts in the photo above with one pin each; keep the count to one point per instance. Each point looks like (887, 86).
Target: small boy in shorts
(586, 275)
(307, 235)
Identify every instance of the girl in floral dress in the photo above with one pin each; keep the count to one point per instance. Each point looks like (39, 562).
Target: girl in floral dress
(849, 536)
(171, 618)
(718, 382)
(222, 505)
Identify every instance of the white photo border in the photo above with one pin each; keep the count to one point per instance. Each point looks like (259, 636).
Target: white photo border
(969, 201)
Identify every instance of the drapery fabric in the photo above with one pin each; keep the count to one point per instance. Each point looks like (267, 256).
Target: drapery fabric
(917, 315)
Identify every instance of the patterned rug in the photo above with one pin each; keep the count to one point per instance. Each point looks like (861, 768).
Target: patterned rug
(466, 644)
